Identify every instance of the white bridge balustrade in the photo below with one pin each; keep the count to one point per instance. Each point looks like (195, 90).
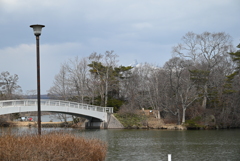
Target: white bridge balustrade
(27, 105)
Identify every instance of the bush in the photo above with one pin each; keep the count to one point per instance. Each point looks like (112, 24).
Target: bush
(194, 123)
(4, 122)
(52, 146)
(116, 103)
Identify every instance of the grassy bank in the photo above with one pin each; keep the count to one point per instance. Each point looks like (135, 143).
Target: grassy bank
(139, 121)
(52, 146)
(130, 119)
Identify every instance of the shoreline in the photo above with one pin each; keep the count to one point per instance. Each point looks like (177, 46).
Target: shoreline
(34, 124)
(71, 125)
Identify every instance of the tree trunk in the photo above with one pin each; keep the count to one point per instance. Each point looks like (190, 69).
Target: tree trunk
(106, 94)
(158, 114)
(178, 113)
(204, 103)
(183, 115)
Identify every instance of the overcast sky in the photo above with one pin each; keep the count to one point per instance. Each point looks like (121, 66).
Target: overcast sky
(142, 30)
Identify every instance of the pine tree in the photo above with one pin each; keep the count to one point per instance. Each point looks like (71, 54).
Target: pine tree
(236, 58)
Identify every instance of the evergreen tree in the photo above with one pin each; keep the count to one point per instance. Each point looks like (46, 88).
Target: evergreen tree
(236, 58)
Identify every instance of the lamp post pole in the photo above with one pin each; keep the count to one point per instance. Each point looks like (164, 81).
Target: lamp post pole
(38, 86)
(37, 31)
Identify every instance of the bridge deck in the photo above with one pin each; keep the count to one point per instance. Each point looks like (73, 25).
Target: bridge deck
(33, 102)
(16, 106)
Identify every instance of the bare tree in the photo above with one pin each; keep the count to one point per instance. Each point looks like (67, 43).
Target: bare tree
(61, 87)
(207, 49)
(182, 87)
(79, 77)
(9, 86)
(136, 87)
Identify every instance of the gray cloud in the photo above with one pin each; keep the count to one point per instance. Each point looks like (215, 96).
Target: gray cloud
(136, 29)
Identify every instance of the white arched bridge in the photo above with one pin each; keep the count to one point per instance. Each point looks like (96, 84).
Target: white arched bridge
(58, 106)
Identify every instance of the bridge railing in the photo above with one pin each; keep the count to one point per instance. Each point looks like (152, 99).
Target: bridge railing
(33, 102)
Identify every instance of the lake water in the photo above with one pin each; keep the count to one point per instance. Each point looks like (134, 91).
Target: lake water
(155, 145)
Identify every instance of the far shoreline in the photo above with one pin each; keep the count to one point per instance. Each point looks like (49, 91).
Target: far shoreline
(34, 124)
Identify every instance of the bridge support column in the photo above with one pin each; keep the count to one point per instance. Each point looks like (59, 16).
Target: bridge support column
(94, 123)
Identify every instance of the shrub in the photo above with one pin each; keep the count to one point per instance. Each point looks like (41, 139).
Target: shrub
(194, 123)
(52, 146)
(4, 122)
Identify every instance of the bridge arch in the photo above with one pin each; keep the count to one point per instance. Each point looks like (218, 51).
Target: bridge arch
(58, 106)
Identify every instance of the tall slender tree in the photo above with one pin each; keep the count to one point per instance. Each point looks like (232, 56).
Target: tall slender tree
(61, 87)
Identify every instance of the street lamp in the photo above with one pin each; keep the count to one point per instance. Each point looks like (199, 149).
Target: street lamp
(37, 32)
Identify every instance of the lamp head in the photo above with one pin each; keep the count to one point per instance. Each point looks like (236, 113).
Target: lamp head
(37, 29)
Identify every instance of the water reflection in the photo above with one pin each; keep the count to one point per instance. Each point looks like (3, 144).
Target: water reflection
(155, 145)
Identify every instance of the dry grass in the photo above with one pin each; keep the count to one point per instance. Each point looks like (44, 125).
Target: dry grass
(155, 123)
(50, 147)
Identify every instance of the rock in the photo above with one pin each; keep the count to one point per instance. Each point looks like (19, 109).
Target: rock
(180, 127)
(171, 128)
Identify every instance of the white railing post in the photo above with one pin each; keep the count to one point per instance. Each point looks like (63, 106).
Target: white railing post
(169, 157)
